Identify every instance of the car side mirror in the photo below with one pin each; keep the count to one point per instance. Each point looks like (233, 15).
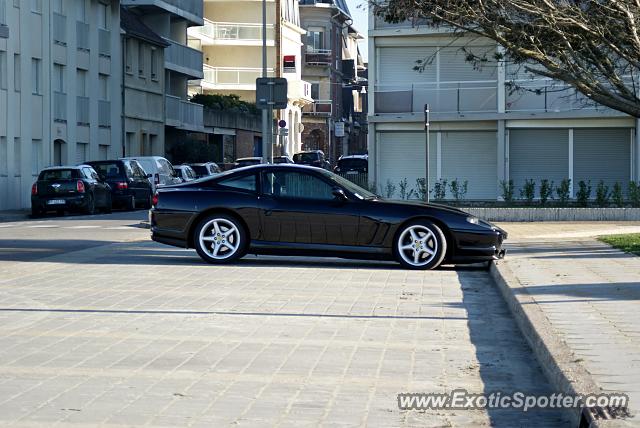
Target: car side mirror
(339, 194)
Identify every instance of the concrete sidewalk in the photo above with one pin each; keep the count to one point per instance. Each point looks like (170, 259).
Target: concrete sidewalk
(577, 301)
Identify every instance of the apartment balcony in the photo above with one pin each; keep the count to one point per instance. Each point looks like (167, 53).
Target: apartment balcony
(450, 97)
(59, 106)
(299, 90)
(82, 110)
(232, 33)
(547, 96)
(232, 78)
(317, 56)
(183, 59)
(104, 113)
(104, 42)
(59, 29)
(319, 108)
(191, 10)
(184, 114)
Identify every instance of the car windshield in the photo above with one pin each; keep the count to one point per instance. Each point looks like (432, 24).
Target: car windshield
(58, 174)
(305, 157)
(358, 191)
(280, 160)
(109, 170)
(146, 164)
(352, 163)
(200, 170)
(245, 162)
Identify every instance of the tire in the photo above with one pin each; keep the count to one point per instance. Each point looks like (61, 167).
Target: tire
(206, 239)
(148, 203)
(91, 205)
(427, 238)
(131, 203)
(108, 205)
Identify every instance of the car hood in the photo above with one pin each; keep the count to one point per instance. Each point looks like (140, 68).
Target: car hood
(421, 204)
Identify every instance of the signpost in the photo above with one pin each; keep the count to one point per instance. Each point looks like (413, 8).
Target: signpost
(426, 131)
(271, 94)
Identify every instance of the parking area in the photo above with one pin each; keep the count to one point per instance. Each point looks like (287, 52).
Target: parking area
(112, 328)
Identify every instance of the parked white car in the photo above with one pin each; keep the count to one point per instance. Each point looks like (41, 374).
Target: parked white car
(161, 170)
(185, 172)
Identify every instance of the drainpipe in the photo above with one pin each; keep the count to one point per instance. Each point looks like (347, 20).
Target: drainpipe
(122, 97)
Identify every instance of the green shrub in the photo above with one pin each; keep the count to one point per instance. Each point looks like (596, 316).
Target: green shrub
(421, 189)
(528, 191)
(458, 189)
(439, 190)
(616, 195)
(634, 194)
(230, 102)
(584, 193)
(405, 192)
(390, 189)
(563, 191)
(602, 194)
(507, 190)
(546, 191)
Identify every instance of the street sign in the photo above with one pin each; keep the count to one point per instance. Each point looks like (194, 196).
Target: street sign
(282, 123)
(339, 129)
(283, 132)
(271, 93)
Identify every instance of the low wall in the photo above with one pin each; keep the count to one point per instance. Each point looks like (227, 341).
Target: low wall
(555, 214)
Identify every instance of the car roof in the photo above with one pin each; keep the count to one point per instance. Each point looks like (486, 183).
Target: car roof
(53, 168)
(354, 157)
(108, 161)
(249, 158)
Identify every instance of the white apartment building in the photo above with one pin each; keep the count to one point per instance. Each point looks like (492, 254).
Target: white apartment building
(231, 41)
(60, 94)
(481, 131)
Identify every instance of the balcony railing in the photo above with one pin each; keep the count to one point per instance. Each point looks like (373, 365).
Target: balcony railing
(317, 56)
(233, 76)
(449, 97)
(59, 29)
(104, 113)
(82, 35)
(319, 108)
(82, 110)
(230, 32)
(59, 106)
(184, 114)
(183, 59)
(191, 7)
(546, 96)
(104, 42)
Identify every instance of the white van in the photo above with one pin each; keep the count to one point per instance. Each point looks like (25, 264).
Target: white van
(161, 170)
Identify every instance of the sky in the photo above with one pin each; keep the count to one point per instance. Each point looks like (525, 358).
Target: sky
(358, 9)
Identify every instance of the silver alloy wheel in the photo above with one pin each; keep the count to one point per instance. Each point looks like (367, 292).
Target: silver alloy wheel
(417, 245)
(219, 238)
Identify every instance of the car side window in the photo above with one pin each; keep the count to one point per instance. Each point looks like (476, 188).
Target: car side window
(128, 169)
(244, 182)
(137, 171)
(296, 185)
(90, 173)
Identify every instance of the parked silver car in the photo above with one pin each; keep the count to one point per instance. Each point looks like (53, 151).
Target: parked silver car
(161, 170)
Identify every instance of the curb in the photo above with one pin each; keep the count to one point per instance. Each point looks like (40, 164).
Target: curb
(557, 360)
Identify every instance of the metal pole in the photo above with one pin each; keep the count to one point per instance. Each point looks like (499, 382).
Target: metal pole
(426, 131)
(266, 122)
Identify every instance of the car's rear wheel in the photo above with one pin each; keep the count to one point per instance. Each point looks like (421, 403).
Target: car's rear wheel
(131, 203)
(420, 245)
(90, 207)
(220, 238)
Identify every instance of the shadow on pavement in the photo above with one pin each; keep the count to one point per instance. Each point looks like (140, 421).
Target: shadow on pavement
(587, 292)
(31, 250)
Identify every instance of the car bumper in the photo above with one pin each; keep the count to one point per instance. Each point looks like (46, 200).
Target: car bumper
(57, 202)
(472, 246)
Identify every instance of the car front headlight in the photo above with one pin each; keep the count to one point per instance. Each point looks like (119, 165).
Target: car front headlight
(473, 220)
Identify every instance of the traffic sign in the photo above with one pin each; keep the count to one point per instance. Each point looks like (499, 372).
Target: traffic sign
(271, 93)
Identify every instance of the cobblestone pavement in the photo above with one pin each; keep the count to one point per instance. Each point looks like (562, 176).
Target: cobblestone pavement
(135, 333)
(590, 293)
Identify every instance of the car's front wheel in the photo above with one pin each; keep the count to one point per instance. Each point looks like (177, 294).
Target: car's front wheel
(220, 238)
(420, 245)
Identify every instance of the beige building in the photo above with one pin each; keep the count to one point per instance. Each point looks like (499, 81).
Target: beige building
(60, 96)
(231, 41)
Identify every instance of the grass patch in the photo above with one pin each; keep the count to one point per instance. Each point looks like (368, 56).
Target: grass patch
(629, 243)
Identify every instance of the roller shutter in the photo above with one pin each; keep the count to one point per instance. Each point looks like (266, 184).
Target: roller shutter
(81, 152)
(402, 155)
(471, 156)
(396, 65)
(454, 66)
(538, 154)
(602, 154)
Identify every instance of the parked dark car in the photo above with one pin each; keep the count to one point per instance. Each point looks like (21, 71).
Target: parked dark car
(352, 164)
(282, 159)
(313, 158)
(298, 210)
(70, 188)
(241, 162)
(205, 169)
(130, 187)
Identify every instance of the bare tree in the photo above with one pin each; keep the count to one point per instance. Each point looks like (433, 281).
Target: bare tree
(592, 45)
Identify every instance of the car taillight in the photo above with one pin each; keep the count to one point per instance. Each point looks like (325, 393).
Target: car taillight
(156, 179)
(154, 200)
(80, 186)
(34, 189)
(122, 185)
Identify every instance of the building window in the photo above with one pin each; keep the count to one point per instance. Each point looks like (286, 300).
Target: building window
(17, 75)
(36, 6)
(103, 16)
(315, 91)
(3, 70)
(315, 40)
(82, 10)
(104, 87)
(154, 64)
(82, 83)
(16, 3)
(36, 75)
(3, 12)
(58, 78)
(58, 6)
(128, 60)
(17, 156)
(4, 162)
(36, 157)
(141, 60)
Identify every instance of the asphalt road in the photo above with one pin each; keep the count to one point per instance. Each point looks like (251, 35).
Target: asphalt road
(99, 325)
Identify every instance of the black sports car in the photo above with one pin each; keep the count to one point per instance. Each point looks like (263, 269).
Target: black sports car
(299, 210)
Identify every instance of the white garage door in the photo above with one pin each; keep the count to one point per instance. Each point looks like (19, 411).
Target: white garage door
(471, 156)
(402, 155)
(602, 154)
(538, 154)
